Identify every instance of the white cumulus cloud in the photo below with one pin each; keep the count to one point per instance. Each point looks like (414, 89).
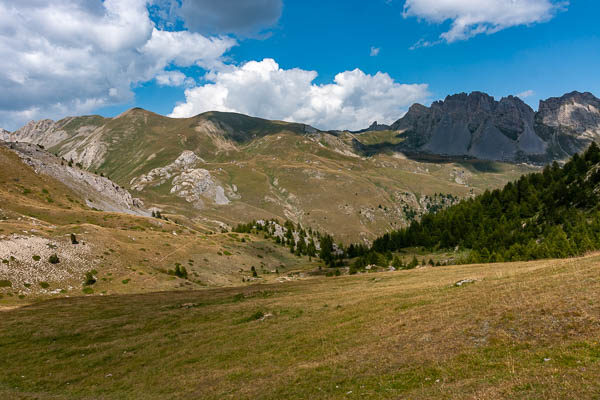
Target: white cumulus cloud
(263, 89)
(68, 57)
(173, 78)
(472, 17)
(526, 94)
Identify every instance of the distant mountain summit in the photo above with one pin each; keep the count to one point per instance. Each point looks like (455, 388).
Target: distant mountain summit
(374, 127)
(569, 123)
(479, 126)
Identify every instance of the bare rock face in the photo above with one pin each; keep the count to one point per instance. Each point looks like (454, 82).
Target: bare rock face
(192, 184)
(43, 132)
(159, 176)
(472, 125)
(507, 130)
(4, 135)
(569, 122)
(576, 112)
(374, 127)
(77, 138)
(98, 191)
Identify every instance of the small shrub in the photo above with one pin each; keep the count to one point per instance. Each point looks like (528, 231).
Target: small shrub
(44, 285)
(180, 271)
(90, 279)
(36, 258)
(53, 259)
(88, 290)
(256, 316)
(239, 296)
(125, 281)
(5, 283)
(74, 239)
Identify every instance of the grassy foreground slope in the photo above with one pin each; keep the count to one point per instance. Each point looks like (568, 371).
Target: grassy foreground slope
(520, 331)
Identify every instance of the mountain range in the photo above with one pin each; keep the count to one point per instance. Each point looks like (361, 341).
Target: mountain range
(477, 125)
(221, 169)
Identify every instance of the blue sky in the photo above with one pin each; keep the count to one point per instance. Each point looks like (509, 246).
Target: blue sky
(214, 56)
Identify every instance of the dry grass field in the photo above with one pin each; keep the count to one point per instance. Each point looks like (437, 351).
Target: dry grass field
(520, 331)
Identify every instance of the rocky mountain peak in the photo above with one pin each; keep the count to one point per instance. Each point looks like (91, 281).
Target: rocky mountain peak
(36, 126)
(378, 127)
(34, 131)
(473, 124)
(575, 111)
(470, 103)
(373, 128)
(4, 135)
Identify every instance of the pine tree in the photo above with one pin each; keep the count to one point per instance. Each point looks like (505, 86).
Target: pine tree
(414, 263)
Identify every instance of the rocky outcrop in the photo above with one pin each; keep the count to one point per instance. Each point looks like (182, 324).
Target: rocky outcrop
(192, 184)
(374, 127)
(43, 132)
(472, 125)
(4, 135)
(98, 191)
(569, 122)
(578, 113)
(75, 138)
(159, 176)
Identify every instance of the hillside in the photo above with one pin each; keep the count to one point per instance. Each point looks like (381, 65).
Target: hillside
(479, 126)
(520, 331)
(119, 244)
(550, 214)
(221, 169)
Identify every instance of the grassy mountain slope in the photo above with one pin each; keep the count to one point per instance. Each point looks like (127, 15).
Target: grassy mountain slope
(126, 253)
(521, 331)
(273, 169)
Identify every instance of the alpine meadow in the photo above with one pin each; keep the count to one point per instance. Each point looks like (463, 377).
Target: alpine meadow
(299, 200)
